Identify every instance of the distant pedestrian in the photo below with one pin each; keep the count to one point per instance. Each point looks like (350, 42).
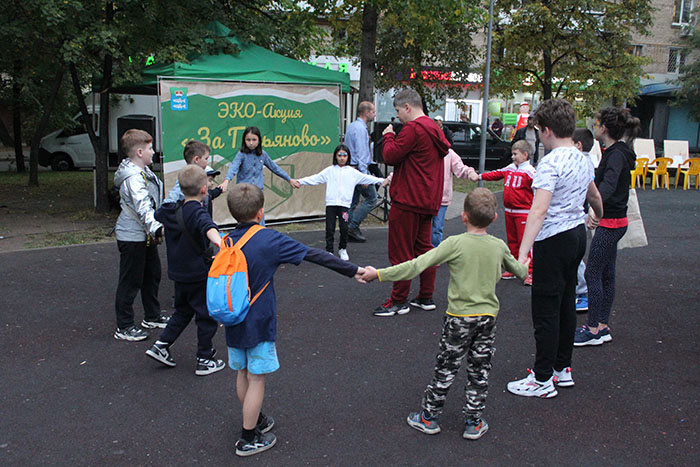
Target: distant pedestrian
(138, 236)
(448, 133)
(497, 126)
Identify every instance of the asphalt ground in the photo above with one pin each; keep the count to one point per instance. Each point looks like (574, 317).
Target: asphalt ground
(72, 395)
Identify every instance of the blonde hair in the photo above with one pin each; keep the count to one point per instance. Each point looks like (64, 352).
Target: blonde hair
(192, 178)
(134, 139)
(523, 146)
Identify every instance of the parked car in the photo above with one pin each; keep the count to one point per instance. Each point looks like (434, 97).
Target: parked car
(466, 141)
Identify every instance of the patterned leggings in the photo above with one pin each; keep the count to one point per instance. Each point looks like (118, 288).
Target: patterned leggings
(600, 274)
(470, 336)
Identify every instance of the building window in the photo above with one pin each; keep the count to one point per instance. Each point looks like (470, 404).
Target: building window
(635, 50)
(676, 59)
(682, 10)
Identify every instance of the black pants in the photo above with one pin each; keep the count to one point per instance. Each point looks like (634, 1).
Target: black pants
(341, 213)
(139, 270)
(191, 300)
(555, 261)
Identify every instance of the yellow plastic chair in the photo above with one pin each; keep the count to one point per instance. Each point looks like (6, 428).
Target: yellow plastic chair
(661, 170)
(640, 170)
(692, 171)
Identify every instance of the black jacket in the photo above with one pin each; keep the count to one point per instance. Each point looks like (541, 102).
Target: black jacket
(612, 177)
(520, 134)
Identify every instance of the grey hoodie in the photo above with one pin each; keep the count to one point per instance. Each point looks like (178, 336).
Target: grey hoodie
(141, 193)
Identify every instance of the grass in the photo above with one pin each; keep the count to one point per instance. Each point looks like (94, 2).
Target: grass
(465, 186)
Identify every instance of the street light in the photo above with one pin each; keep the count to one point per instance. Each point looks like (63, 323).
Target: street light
(485, 105)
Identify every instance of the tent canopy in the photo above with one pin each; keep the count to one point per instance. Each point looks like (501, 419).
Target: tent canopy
(252, 63)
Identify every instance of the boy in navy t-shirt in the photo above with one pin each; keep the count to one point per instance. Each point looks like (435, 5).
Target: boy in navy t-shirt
(251, 343)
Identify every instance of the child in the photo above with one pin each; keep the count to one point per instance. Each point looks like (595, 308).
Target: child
(249, 162)
(555, 226)
(187, 228)
(470, 325)
(214, 190)
(517, 197)
(252, 343)
(340, 180)
(138, 236)
(453, 166)
(583, 141)
(196, 153)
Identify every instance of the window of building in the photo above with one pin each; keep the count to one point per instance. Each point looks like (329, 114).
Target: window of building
(635, 50)
(676, 59)
(682, 11)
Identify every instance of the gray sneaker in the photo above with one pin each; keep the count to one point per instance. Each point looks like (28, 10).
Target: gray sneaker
(161, 353)
(131, 334)
(475, 429)
(389, 308)
(207, 366)
(261, 442)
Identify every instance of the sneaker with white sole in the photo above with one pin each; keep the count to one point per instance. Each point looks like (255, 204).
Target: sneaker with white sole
(343, 254)
(475, 429)
(160, 352)
(418, 421)
(424, 303)
(389, 308)
(261, 442)
(530, 387)
(265, 423)
(132, 334)
(563, 378)
(584, 337)
(159, 322)
(604, 334)
(207, 366)
(581, 303)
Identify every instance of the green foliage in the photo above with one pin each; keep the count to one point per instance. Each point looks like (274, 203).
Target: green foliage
(689, 80)
(572, 49)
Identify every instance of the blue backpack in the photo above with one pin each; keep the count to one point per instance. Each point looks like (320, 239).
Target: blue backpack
(228, 291)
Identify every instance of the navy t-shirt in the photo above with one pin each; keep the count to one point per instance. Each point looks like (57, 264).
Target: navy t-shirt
(264, 252)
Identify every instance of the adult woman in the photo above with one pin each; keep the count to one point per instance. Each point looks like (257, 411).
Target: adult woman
(612, 177)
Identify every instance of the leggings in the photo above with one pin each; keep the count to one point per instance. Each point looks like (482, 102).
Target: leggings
(600, 274)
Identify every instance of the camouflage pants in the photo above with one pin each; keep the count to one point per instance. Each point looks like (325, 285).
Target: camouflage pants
(470, 336)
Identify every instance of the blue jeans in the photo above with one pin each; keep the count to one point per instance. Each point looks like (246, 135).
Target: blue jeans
(438, 226)
(357, 216)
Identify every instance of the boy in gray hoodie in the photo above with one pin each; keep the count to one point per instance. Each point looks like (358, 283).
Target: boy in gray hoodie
(138, 235)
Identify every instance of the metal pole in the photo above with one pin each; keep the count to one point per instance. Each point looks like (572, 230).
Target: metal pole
(485, 105)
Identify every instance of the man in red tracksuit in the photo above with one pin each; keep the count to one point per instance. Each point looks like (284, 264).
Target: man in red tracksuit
(517, 197)
(416, 193)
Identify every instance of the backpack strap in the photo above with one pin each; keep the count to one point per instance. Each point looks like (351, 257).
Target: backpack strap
(255, 228)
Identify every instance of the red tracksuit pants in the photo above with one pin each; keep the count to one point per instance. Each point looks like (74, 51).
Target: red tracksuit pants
(409, 237)
(515, 227)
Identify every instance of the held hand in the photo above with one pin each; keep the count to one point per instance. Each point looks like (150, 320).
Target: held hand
(473, 176)
(224, 186)
(526, 262)
(385, 183)
(295, 183)
(370, 274)
(388, 129)
(593, 220)
(359, 274)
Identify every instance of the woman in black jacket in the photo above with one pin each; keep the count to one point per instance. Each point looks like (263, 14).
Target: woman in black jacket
(612, 177)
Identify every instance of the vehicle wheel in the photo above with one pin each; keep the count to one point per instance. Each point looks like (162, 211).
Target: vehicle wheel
(61, 162)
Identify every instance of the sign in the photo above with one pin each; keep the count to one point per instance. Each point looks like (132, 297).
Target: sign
(510, 119)
(299, 124)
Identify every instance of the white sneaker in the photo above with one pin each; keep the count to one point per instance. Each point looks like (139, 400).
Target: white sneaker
(563, 378)
(530, 387)
(343, 254)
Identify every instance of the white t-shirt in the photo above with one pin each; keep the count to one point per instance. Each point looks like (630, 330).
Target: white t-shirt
(566, 173)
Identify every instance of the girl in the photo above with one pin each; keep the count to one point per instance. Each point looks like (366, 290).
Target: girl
(248, 163)
(340, 180)
(612, 177)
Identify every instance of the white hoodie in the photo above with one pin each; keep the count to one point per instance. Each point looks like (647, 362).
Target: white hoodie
(340, 183)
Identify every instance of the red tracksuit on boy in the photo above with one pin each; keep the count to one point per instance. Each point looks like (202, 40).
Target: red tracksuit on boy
(517, 200)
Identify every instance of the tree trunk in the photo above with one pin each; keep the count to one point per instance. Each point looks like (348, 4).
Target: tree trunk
(17, 118)
(547, 86)
(102, 154)
(368, 51)
(87, 118)
(41, 128)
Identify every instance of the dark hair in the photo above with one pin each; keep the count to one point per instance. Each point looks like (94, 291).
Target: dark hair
(193, 149)
(585, 137)
(256, 131)
(244, 201)
(619, 123)
(192, 178)
(557, 115)
(341, 147)
(480, 205)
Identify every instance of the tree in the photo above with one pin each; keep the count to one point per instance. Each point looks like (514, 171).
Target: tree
(572, 49)
(689, 79)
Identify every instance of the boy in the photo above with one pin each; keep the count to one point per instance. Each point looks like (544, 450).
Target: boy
(583, 140)
(555, 226)
(517, 197)
(251, 343)
(188, 230)
(195, 153)
(470, 325)
(138, 235)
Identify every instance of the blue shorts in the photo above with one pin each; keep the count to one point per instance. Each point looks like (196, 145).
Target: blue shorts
(259, 360)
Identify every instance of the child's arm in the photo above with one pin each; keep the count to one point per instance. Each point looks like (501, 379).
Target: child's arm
(214, 237)
(493, 175)
(412, 268)
(175, 194)
(514, 266)
(143, 204)
(275, 169)
(316, 179)
(458, 168)
(232, 170)
(365, 179)
(330, 261)
(535, 218)
(595, 201)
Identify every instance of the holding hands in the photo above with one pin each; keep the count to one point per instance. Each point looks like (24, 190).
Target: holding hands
(369, 275)
(295, 183)
(473, 176)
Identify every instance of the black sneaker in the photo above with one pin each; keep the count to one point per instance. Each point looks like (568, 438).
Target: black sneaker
(131, 333)
(390, 308)
(161, 353)
(265, 424)
(160, 322)
(261, 442)
(207, 366)
(354, 235)
(425, 303)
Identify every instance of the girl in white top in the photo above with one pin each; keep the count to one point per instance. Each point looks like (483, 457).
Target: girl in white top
(340, 180)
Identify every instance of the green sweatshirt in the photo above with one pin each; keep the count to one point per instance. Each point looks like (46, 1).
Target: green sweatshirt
(475, 264)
